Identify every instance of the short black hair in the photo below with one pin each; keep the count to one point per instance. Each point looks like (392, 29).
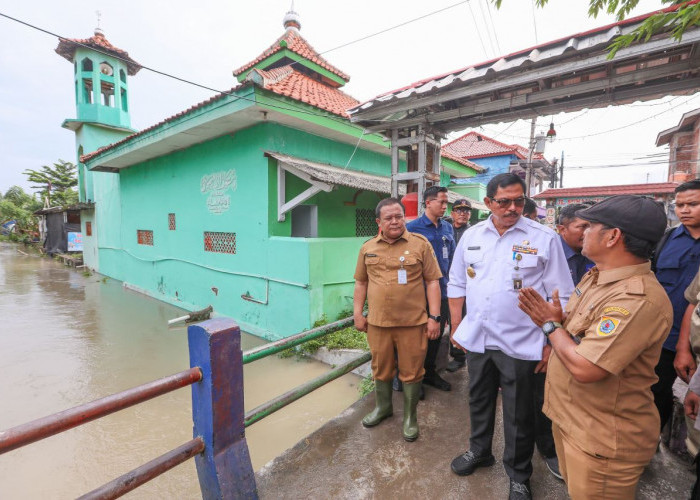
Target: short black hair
(529, 207)
(432, 192)
(503, 181)
(568, 213)
(386, 202)
(687, 186)
(636, 246)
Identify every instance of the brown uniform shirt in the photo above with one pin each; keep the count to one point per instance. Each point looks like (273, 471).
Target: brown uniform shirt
(389, 303)
(692, 295)
(622, 317)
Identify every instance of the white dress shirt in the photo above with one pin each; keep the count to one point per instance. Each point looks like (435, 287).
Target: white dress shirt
(493, 319)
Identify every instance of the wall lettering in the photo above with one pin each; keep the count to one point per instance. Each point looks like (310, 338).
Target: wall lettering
(217, 185)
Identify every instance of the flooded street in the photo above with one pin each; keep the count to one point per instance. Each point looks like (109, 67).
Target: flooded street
(68, 339)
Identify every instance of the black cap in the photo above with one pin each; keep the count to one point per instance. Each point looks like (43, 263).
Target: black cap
(462, 203)
(637, 216)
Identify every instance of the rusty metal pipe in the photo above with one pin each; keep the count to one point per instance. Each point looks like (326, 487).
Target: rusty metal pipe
(41, 428)
(144, 473)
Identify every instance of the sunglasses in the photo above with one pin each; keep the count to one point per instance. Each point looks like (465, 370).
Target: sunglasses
(505, 202)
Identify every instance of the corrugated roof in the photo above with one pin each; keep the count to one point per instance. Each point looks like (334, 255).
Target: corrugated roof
(639, 189)
(330, 174)
(565, 74)
(67, 46)
(293, 41)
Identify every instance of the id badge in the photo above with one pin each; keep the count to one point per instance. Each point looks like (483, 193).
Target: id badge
(445, 254)
(517, 281)
(402, 277)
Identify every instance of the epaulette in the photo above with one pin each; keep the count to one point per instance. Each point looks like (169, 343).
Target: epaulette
(421, 237)
(635, 285)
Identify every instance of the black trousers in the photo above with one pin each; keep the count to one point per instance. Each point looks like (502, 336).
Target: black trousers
(487, 372)
(543, 426)
(663, 389)
(434, 344)
(458, 354)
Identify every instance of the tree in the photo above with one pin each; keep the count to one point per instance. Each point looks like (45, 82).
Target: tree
(56, 183)
(675, 22)
(19, 206)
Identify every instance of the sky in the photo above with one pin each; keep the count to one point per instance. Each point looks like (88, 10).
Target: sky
(205, 41)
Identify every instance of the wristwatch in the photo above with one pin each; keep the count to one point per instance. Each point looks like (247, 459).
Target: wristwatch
(549, 327)
(436, 318)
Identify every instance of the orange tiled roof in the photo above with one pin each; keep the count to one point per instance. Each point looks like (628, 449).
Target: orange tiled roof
(293, 41)
(288, 82)
(475, 145)
(463, 161)
(66, 48)
(603, 191)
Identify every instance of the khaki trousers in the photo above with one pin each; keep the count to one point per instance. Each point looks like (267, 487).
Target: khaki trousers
(592, 477)
(411, 344)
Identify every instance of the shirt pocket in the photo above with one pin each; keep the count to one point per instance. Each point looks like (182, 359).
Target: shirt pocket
(668, 271)
(375, 266)
(528, 261)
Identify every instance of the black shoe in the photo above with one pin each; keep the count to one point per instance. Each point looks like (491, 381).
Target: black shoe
(519, 491)
(552, 464)
(468, 462)
(397, 385)
(455, 365)
(438, 382)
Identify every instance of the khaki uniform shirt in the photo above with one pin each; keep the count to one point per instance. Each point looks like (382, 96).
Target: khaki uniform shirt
(692, 295)
(622, 317)
(390, 303)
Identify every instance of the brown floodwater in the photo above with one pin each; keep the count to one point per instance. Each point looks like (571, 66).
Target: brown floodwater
(67, 339)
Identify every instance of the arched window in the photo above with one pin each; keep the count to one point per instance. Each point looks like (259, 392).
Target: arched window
(87, 64)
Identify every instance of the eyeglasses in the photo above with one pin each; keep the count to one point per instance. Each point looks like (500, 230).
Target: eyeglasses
(505, 202)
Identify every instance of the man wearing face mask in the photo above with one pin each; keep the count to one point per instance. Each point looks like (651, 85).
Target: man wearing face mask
(493, 261)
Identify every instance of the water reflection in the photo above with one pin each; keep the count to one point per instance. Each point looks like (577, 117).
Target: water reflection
(67, 339)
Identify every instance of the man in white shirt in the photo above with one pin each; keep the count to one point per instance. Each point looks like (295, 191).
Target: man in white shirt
(492, 262)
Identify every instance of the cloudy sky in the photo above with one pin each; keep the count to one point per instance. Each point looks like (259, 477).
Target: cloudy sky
(204, 41)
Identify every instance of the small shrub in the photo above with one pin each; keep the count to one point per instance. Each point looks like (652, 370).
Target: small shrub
(366, 386)
(347, 338)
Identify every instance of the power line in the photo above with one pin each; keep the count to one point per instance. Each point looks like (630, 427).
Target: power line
(493, 26)
(534, 21)
(487, 30)
(476, 28)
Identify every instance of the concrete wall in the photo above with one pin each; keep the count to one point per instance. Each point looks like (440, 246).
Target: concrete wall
(289, 282)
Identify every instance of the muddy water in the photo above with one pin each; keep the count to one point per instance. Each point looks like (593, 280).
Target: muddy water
(66, 339)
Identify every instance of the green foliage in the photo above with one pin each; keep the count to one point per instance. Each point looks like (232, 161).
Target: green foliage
(366, 386)
(18, 205)
(56, 183)
(347, 338)
(674, 23)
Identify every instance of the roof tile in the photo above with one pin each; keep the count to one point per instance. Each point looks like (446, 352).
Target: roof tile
(67, 46)
(293, 41)
(638, 189)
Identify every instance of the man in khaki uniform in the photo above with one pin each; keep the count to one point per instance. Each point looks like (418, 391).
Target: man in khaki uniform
(598, 396)
(689, 338)
(395, 271)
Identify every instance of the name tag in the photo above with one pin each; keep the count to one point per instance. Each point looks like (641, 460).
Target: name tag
(402, 277)
(473, 248)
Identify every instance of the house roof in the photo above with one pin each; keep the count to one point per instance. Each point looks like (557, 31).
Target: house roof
(462, 161)
(567, 74)
(475, 145)
(605, 191)
(67, 47)
(288, 82)
(687, 121)
(293, 41)
(330, 174)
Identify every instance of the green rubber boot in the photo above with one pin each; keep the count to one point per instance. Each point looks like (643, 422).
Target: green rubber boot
(383, 407)
(411, 395)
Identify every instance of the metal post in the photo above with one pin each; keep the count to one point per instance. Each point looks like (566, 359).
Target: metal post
(528, 167)
(394, 163)
(561, 171)
(224, 468)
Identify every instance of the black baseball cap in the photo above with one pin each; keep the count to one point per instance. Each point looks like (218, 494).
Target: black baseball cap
(462, 203)
(637, 216)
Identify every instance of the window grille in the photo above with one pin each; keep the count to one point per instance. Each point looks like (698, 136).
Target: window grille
(144, 237)
(171, 222)
(88, 228)
(365, 223)
(219, 242)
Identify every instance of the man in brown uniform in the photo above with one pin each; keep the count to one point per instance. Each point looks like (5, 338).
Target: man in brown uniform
(395, 271)
(605, 424)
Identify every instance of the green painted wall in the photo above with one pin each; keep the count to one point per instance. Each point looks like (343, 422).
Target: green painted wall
(300, 279)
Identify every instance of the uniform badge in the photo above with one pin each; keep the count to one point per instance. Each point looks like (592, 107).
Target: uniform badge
(471, 272)
(607, 326)
(621, 310)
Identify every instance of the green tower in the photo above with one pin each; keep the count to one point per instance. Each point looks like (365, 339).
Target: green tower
(100, 73)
